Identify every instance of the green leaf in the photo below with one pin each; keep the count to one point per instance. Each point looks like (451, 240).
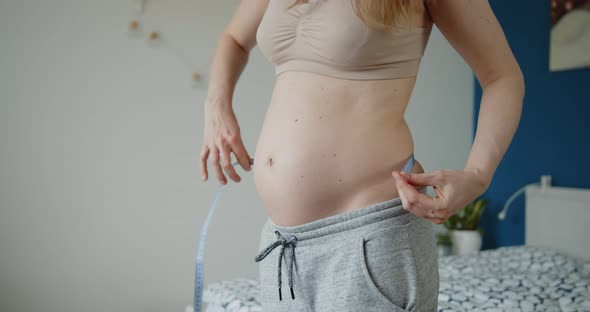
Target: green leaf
(468, 217)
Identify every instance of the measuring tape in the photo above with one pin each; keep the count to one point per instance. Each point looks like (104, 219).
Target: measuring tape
(199, 273)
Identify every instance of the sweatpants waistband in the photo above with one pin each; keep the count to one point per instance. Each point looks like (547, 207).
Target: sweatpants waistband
(389, 209)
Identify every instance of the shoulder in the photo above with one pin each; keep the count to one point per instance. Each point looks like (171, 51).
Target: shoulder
(472, 28)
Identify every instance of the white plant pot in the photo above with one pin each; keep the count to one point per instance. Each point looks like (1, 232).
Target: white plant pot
(465, 241)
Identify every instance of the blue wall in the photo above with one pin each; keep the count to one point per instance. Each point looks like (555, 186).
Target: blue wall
(554, 133)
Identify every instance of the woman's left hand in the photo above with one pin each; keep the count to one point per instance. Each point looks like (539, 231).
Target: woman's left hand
(454, 189)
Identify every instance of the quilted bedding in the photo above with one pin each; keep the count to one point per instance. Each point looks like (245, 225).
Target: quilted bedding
(516, 278)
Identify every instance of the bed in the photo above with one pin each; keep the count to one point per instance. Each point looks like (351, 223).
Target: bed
(551, 272)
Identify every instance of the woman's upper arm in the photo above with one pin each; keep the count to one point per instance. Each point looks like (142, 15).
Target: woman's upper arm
(473, 30)
(244, 23)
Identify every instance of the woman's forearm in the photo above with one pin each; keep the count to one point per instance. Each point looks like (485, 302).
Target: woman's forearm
(499, 116)
(228, 62)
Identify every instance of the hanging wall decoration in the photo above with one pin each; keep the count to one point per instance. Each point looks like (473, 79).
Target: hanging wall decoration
(141, 26)
(570, 35)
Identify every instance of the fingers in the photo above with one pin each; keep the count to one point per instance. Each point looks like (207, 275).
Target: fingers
(217, 166)
(226, 162)
(435, 220)
(419, 203)
(435, 216)
(204, 156)
(411, 198)
(427, 178)
(241, 153)
(221, 160)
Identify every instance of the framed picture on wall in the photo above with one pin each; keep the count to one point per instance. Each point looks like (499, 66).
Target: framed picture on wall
(570, 35)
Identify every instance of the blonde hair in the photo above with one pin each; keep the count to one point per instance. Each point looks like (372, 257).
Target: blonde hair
(379, 13)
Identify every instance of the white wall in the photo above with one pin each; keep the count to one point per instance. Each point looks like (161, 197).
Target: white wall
(101, 201)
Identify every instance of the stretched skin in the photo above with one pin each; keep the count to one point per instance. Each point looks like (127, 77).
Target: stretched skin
(329, 145)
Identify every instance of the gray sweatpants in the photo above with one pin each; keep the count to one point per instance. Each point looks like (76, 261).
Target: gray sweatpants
(377, 258)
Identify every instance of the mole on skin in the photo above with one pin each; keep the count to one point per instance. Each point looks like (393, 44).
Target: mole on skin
(270, 162)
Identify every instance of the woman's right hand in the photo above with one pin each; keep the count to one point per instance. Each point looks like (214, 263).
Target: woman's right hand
(221, 138)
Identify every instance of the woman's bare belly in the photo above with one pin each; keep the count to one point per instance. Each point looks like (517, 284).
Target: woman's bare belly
(329, 145)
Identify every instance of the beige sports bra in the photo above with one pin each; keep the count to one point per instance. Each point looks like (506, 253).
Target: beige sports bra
(328, 38)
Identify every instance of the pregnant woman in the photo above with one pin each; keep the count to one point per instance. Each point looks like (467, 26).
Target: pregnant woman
(349, 223)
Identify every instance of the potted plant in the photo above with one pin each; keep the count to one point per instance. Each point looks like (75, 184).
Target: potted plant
(463, 228)
(443, 243)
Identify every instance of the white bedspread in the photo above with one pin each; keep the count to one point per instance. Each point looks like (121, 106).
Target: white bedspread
(516, 278)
